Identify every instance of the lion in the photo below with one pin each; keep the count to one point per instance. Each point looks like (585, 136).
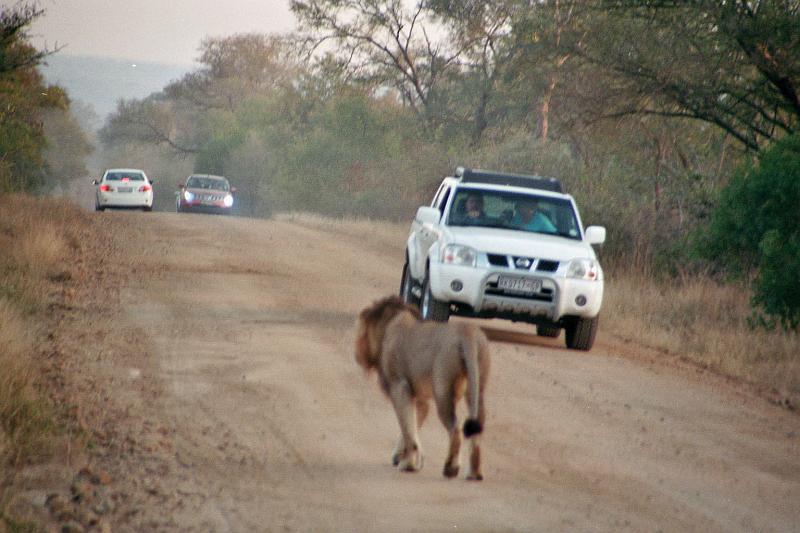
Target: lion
(416, 361)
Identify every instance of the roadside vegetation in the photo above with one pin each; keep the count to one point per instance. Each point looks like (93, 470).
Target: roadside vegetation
(40, 243)
(706, 323)
(34, 235)
(42, 146)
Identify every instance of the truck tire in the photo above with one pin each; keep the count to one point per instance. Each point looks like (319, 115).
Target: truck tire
(546, 330)
(580, 333)
(406, 286)
(430, 307)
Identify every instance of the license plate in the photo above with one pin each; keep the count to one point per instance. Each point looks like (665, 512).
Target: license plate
(524, 285)
(124, 189)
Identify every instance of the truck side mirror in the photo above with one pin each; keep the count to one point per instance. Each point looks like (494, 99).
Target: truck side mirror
(428, 215)
(595, 234)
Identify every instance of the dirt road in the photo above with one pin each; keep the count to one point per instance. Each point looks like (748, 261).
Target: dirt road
(227, 399)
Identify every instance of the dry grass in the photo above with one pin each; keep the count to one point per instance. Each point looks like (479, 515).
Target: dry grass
(26, 422)
(36, 235)
(706, 323)
(38, 240)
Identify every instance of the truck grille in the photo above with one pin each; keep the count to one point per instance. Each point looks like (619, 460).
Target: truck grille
(522, 263)
(498, 260)
(545, 265)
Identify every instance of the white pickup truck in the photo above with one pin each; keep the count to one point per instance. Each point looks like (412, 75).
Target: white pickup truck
(497, 245)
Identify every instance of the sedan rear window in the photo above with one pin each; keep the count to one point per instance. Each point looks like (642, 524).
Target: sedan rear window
(121, 176)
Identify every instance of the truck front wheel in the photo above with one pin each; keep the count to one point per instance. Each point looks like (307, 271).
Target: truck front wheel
(431, 308)
(580, 333)
(407, 286)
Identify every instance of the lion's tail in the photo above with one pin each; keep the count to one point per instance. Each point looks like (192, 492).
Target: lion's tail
(475, 356)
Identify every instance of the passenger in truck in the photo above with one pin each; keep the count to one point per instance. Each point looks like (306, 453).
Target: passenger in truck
(530, 218)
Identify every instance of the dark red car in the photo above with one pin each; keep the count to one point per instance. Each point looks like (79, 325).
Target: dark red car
(205, 193)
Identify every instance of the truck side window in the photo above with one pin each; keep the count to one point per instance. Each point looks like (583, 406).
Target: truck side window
(435, 201)
(443, 200)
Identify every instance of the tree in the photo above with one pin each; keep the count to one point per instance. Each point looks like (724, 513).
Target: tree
(14, 22)
(754, 229)
(23, 99)
(66, 150)
(482, 31)
(383, 43)
(150, 121)
(732, 63)
(234, 69)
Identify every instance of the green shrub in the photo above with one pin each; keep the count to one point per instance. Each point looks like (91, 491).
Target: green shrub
(754, 230)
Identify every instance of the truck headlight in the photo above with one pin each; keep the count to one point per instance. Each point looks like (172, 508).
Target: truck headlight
(587, 269)
(455, 254)
(228, 200)
(189, 196)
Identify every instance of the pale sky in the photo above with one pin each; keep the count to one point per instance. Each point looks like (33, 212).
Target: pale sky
(164, 31)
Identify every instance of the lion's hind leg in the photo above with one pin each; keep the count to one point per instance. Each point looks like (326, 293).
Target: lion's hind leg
(452, 464)
(472, 431)
(409, 460)
(474, 473)
(446, 409)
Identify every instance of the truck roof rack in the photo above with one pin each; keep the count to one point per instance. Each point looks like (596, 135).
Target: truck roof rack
(469, 175)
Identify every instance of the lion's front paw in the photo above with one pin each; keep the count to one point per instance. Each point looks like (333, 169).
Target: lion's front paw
(411, 462)
(407, 466)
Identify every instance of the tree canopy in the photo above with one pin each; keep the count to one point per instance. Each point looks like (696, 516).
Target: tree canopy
(25, 103)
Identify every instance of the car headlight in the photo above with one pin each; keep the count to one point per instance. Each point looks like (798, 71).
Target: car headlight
(188, 196)
(583, 269)
(455, 254)
(228, 200)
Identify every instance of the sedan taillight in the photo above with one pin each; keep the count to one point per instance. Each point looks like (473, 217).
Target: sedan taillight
(145, 188)
(105, 188)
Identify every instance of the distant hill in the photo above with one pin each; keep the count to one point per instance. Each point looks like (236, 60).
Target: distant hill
(101, 82)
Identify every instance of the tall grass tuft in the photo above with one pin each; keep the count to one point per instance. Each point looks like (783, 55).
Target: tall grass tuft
(26, 422)
(707, 323)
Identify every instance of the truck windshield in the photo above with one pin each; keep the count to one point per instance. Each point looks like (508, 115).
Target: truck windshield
(513, 211)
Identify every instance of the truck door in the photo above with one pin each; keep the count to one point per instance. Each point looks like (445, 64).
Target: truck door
(429, 233)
